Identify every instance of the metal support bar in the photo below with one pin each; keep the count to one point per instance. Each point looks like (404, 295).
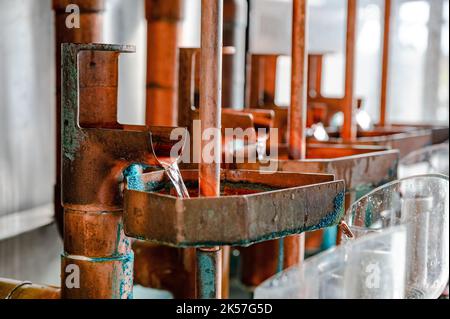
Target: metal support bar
(349, 130)
(210, 117)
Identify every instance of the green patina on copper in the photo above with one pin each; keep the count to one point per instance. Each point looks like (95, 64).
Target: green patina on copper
(72, 135)
(207, 274)
(331, 219)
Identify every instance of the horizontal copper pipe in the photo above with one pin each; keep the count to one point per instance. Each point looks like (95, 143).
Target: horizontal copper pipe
(13, 289)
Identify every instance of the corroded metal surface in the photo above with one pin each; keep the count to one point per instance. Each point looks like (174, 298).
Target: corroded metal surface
(209, 272)
(12, 289)
(297, 109)
(90, 31)
(100, 278)
(94, 158)
(96, 154)
(359, 167)
(275, 206)
(209, 260)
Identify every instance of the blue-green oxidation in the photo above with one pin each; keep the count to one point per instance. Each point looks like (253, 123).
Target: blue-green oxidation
(207, 273)
(133, 175)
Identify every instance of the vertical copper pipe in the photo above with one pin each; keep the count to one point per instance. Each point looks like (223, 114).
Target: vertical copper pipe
(90, 31)
(210, 92)
(294, 246)
(297, 111)
(255, 81)
(385, 62)
(163, 30)
(209, 260)
(234, 33)
(349, 129)
(315, 66)
(270, 79)
(261, 76)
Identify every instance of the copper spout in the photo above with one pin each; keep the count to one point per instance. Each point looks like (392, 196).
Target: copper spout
(96, 153)
(90, 31)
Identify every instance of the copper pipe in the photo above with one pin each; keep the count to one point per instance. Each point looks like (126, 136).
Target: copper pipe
(234, 33)
(210, 116)
(385, 62)
(95, 162)
(297, 110)
(13, 289)
(315, 67)
(90, 31)
(262, 80)
(349, 129)
(210, 91)
(163, 32)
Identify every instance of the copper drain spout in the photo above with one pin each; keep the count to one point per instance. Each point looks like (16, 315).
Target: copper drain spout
(96, 153)
(90, 31)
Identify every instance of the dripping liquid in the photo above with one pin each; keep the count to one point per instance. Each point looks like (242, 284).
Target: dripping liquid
(173, 172)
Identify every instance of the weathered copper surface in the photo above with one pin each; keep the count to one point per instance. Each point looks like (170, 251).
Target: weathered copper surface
(96, 153)
(297, 109)
(12, 289)
(164, 19)
(209, 259)
(90, 31)
(361, 167)
(276, 205)
(100, 278)
(94, 158)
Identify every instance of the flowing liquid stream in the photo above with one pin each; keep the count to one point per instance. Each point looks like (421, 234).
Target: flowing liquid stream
(173, 172)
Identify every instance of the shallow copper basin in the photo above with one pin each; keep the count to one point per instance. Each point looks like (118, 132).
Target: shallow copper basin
(255, 207)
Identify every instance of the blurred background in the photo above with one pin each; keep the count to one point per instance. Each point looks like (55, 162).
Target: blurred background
(418, 91)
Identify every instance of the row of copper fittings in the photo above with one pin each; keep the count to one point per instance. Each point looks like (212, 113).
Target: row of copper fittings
(94, 239)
